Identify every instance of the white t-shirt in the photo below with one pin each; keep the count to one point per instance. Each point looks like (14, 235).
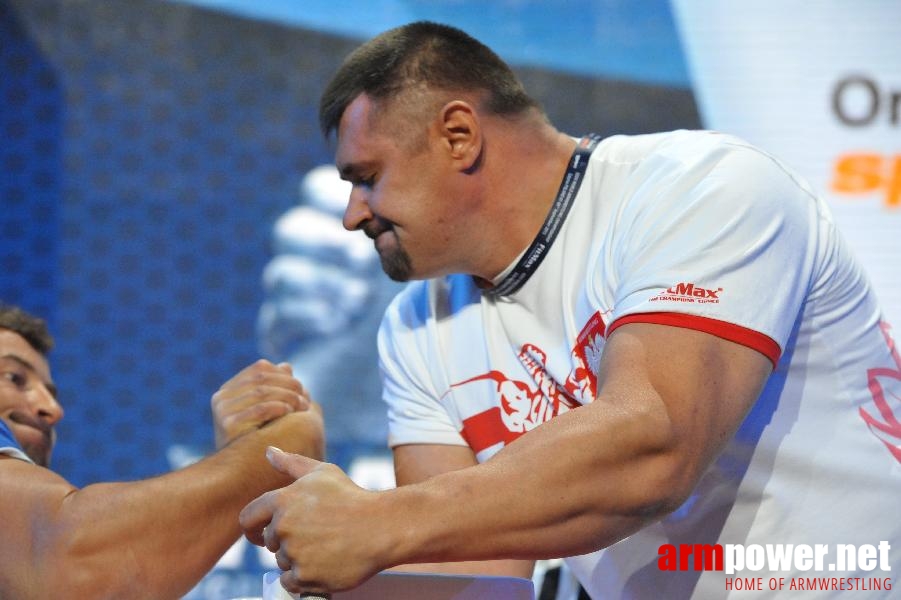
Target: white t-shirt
(696, 230)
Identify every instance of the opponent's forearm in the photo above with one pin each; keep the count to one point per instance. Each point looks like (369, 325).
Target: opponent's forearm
(572, 488)
(155, 538)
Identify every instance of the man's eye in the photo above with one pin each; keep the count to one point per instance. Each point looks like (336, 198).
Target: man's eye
(17, 379)
(368, 181)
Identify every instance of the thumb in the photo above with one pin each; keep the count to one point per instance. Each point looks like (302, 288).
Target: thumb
(293, 465)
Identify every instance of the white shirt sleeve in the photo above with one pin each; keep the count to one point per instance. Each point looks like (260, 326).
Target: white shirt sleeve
(722, 241)
(415, 412)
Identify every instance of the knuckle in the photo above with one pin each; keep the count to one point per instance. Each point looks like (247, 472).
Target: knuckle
(257, 411)
(227, 422)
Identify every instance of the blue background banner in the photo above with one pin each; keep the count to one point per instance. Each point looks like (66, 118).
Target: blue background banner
(148, 148)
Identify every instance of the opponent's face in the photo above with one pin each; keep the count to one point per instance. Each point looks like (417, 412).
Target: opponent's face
(28, 397)
(402, 195)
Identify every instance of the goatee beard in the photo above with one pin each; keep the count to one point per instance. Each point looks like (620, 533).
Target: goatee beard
(397, 265)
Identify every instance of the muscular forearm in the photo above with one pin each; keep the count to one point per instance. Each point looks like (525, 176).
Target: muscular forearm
(597, 474)
(579, 482)
(561, 493)
(156, 538)
(498, 568)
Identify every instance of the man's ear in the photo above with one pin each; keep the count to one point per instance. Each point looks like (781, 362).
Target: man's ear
(461, 133)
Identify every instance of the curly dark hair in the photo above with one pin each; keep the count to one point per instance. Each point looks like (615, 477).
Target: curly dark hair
(435, 55)
(32, 328)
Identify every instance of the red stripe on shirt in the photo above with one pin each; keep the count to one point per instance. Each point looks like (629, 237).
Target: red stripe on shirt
(728, 331)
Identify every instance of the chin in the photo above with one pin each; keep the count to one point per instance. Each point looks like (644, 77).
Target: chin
(397, 266)
(40, 454)
(40, 458)
(398, 277)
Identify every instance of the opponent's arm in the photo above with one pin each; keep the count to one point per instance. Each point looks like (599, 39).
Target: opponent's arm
(154, 538)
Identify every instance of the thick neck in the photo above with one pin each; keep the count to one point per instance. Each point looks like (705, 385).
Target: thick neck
(522, 190)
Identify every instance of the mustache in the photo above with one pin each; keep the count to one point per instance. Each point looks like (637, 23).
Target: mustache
(29, 421)
(373, 228)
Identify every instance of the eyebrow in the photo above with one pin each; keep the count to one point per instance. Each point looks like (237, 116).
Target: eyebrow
(351, 170)
(348, 171)
(51, 387)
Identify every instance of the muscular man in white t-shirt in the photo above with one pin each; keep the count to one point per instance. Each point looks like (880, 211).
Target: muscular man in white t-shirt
(618, 347)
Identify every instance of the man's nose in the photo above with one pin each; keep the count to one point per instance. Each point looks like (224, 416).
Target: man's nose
(48, 408)
(357, 211)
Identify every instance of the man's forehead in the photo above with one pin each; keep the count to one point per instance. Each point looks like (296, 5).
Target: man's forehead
(15, 347)
(355, 136)
(357, 114)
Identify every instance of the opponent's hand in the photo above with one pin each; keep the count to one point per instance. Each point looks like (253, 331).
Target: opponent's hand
(322, 528)
(257, 395)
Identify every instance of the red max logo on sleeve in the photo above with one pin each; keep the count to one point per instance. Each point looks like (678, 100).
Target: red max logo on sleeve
(691, 293)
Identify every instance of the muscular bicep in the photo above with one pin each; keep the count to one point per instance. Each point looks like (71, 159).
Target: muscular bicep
(694, 387)
(29, 491)
(30, 500)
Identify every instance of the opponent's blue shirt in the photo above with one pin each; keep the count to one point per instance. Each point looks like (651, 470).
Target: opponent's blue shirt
(9, 445)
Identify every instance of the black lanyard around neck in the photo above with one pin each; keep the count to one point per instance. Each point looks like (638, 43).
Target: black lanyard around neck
(536, 252)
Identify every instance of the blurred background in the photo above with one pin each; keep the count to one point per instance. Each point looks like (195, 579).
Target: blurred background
(164, 202)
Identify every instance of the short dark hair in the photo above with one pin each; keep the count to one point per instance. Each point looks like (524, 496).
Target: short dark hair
(32, 328)
(439, 56)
